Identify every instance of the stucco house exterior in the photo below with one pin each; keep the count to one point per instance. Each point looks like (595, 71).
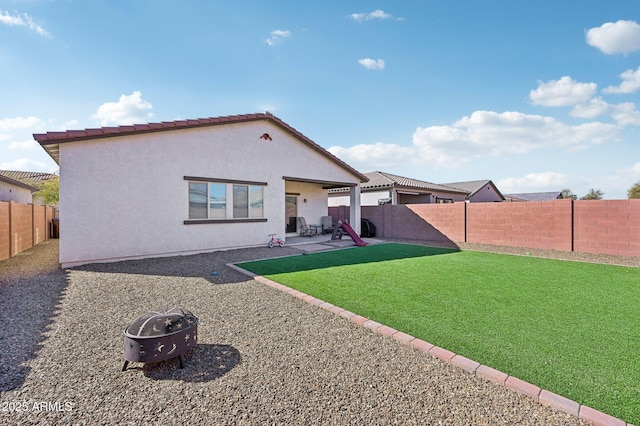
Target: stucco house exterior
(20, 186)
(387, 188)
(478, 191)
(189, 186)
(15, 190)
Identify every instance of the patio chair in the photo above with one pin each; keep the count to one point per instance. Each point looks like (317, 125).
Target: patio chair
(306, 230)
(327, 224)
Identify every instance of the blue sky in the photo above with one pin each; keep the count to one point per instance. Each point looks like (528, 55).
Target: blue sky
(536, 96)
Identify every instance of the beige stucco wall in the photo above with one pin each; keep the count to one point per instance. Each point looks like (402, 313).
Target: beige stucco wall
(485, 195)
(126, 197)
(9, 192)
(370, 198)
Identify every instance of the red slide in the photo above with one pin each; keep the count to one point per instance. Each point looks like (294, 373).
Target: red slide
(349, 230)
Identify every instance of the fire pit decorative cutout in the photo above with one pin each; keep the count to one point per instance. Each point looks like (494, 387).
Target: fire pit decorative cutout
(158, 336)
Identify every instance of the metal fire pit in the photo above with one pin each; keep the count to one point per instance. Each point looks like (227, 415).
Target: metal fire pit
(157, 336)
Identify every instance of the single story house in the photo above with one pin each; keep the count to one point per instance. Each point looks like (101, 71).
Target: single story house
(386, 188)
(189, 186)
(15, 190)
(20, 186)
(535, 196)
(478, 191)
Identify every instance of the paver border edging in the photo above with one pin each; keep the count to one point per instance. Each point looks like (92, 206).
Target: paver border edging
(539, 395)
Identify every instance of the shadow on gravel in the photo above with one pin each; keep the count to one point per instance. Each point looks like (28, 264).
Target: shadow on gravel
(31, 291)
(203, 363)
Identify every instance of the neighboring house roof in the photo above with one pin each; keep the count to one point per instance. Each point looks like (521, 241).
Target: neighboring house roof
(12, 181)
(535, 196)
(473, 186)
(51, 141)
(30, 178)
(382, 180)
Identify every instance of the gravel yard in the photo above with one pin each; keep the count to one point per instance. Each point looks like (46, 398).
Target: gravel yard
(263, 357)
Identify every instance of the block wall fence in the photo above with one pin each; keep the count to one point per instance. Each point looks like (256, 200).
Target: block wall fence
(22, 226)
(598, 226)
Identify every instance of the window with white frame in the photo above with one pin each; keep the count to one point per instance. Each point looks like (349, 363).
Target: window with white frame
(224, 200)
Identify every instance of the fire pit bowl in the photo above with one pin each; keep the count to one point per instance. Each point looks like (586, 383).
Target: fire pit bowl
(157, 336)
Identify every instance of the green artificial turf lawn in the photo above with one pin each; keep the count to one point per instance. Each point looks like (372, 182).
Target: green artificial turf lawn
(572, 328)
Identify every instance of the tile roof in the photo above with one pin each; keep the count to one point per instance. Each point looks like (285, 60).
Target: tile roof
(381, 180)
(473, 186)
(470, 186)
(536, 196)
(51, 141)
(27, 177)
(16, 182)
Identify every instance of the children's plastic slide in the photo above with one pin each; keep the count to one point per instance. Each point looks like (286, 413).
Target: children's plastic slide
(356, 239)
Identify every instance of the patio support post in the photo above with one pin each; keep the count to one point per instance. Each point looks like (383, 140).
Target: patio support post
(354, 211)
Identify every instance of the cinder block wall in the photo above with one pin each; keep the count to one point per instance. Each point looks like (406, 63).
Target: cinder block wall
(607, 227)
(537, 224)
(602, 226)
(428, 222)
(22, 226)
(40, 227)
(5, 241)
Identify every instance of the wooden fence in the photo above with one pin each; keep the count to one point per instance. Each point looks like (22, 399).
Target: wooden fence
(22, 226)
(601, 227)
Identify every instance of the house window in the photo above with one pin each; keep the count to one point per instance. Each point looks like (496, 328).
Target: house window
(441, 200)
(198, 200)
(218, 200)
(240, 201)
(248, 201)
(256, 201)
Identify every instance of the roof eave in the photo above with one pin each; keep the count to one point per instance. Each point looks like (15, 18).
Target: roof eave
(51, 141)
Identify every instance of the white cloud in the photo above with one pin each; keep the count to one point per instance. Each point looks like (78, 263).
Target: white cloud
(376, 14)
(27, 144)
(488, 133)
(614, 184)
(630, 83)
(22, 20)
(377, 156)
(71, 124)
(626, 114)
(591, 109)
(372, 64)
(277, 36)
(483, 133)
(128, 110)
(562, 92)
(618, 37)
(25, 164)
(9, 124)
(533, 182)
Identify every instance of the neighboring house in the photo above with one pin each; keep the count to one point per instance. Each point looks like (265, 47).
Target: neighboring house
(534, 196)
(189, 186)
(30, 179)
(15, 190)
(478, 191)
(386, 188)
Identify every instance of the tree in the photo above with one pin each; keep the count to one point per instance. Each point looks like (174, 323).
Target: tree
(634, 191)
(566, 193)
(49, 191)
(594, 194)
